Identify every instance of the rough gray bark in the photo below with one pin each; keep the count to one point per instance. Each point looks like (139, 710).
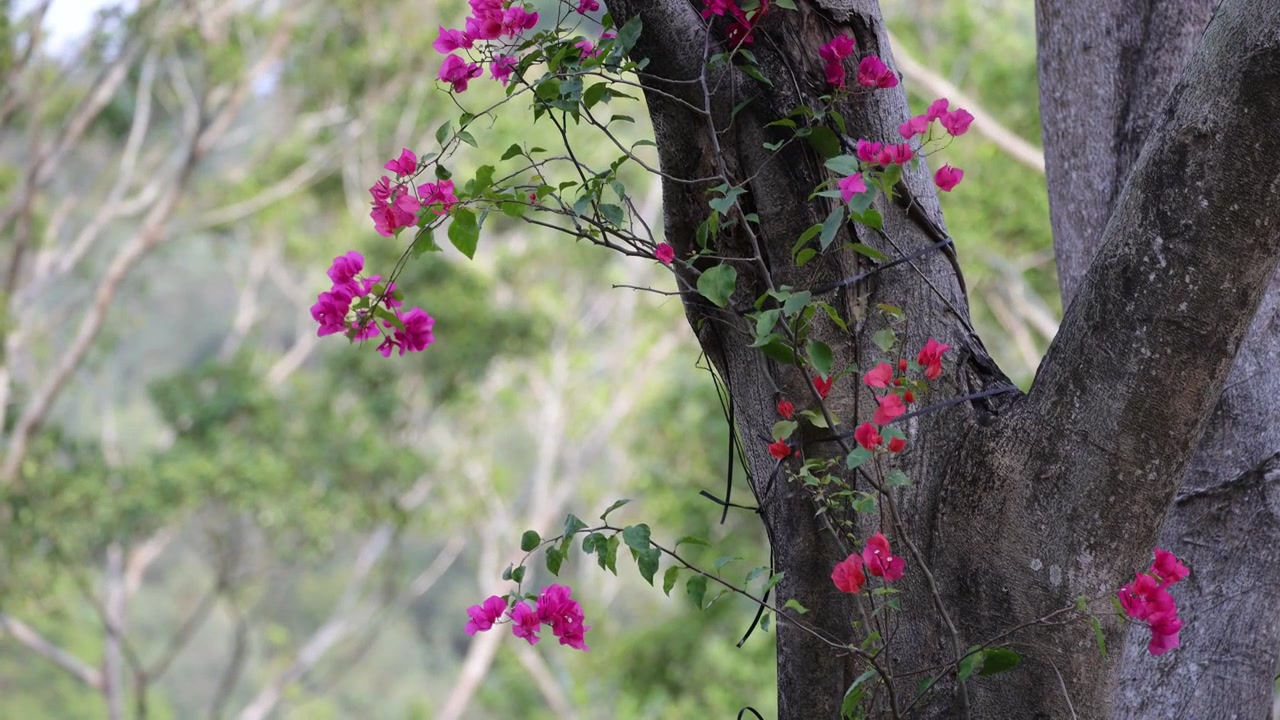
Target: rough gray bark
(1019, 504)
(1101, 94)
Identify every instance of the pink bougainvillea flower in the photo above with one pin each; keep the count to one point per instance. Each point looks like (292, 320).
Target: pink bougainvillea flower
(848, 576)
(880, 561)
(1166, 565)
(516, 19)
(381, 190)
(716, 7)
(867, 436)
(873, 73)
(851, 185)
(936, 109)
(330, 311)
(401, 212)
(586, 6)
(931, 358)
(665, 253)
(406, 164)
(897, 445)
(909, 397)
(780, 450)
(346, 267)
(786, 409)
(833, 54)
(879, 376)
(440, 193)
(501, 68)
(1164, 627)
(587, 47)
(891, 406)
(483, 616)
(458, 72)
(947, 178)
(956, 122)
(451, 40)
(822, 385)
(525, 622)
(557, 609)
(918, 125)
(902, 364)
(869, 151)
(899, 154)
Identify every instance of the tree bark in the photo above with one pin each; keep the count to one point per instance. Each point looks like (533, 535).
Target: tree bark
(1018, 503)
(1101, 93)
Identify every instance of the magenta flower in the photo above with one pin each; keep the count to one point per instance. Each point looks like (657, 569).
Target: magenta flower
(586, 6)
(716, 7)
(587, 47)
(947, 178)
(564, 615)
(852, 185)
(346, 267)
(451, 40)
(867, 436)
(440, 193)
(517, 19)
(869, 151)
(833, 54)
(956, 122)
(900, 154)
(381, 190)
(879, 376)
(936, 109)
(665, 253)
(406, 164)
(873, 73)
(501, 68)
(1168, 567)
(458, 72)
(931, 358)
(918, 125)
(880, 561)
(483, 616)
(330, 311)
(525, 623)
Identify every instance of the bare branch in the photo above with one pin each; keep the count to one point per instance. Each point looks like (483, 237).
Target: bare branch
(37, 643)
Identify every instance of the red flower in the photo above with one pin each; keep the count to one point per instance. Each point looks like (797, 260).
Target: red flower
(867, 436)
(785, 409)
(909, 396)
(896, 445)
(881, 562)
(931, 358)
(902, 365)
(822, 385)
(780, 450)
(665, 253)
(848, 576)
(880, 376)
(891, 406)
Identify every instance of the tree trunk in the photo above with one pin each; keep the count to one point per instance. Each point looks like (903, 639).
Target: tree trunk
(1018, 504)
(1101, 93)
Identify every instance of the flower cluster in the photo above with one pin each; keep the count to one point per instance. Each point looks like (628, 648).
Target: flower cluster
(397, 206)
(893, 403)
(741, 24)
(489, 20)
(351, 306)
(879, 560)
(833, 54)
(554, 607)
(955, 122)
(1147, 599)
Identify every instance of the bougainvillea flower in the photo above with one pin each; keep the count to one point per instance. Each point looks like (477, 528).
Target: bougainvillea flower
(851, 185)
(931, 358)
(780, 450)
(785, 409)
(891, 406)
(947, 178)
(897, 445)
(451, 40)
(665, 253)
(1168, 567)
(873, 73)
(879, 376)
(918, 125)
(586, 6)
(458, 72)
(848, 576)
(406, 164)
(484, 615)
(867, 436)
(869, 151)
(822, 385)
(956, 122)
(501, 68)
(936, 109)
(881, 562)
(525, 622)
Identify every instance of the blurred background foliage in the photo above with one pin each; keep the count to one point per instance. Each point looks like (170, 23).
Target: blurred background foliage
(215, 515)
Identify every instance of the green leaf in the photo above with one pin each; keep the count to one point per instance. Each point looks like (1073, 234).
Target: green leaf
(648, 563)
(669, 579)
(825, 141)
(779, 351)
(616, 504)
(867, 250)
(530, 540)
(464, 231)
(853, 696)
(815, 418)
(871, 218)
(797, 302)
(844, 165)
(691, 540)
(554, 558)
(721, 562)
(804, 256)
(794, 604)
(783, 429)
(773, 580)
(835, 316)
(718, 283)
(969, 664)
(425, 242)
(821, 356)
(724, 204)
(636, 537)
(594, 94)
(897, 478)
(786, 4)
(766, 321)
(612, 213)
(885, 339)
(630, 33)
(513, 151)
(572, 525)
(857, 457)
(831, 226)
(755, 573)
(506, 574)
(754, 72)
(998, 660)
(609, 558)
(696, 588)
(1098, 635)
(865, 503)
(517, 575)
(442, 132)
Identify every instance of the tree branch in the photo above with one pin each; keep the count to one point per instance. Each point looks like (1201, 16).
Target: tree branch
(38, 644)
